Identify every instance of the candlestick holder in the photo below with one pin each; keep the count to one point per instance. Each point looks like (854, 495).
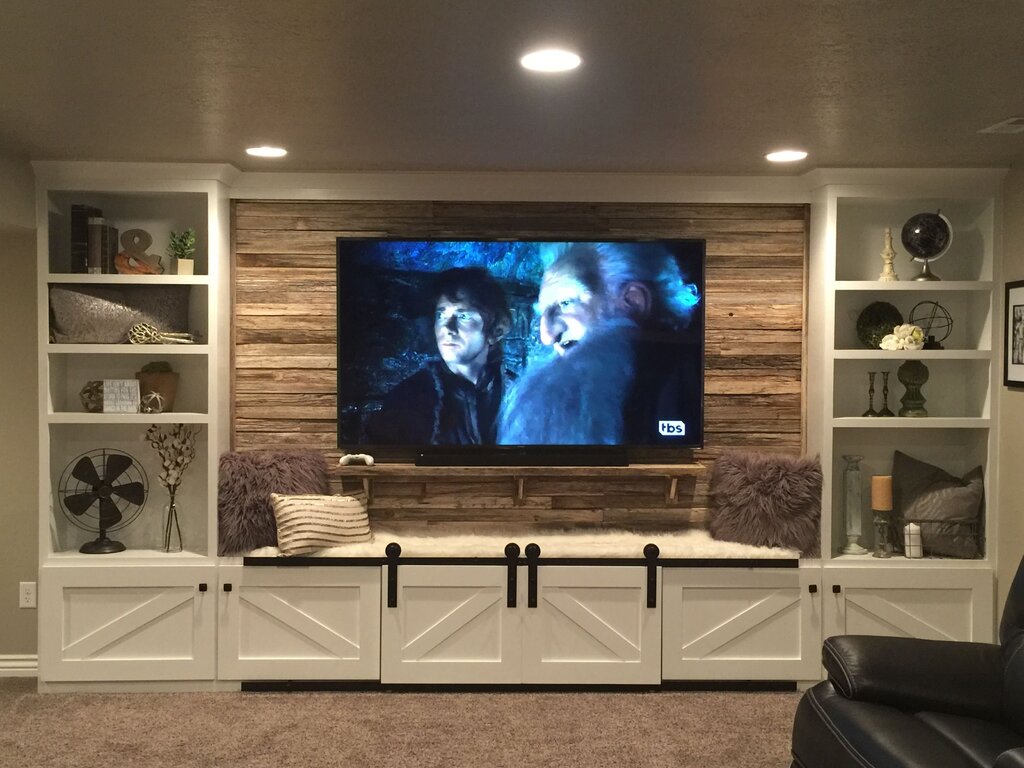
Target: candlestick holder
(885, 396)
(871, 395)
(883, 547)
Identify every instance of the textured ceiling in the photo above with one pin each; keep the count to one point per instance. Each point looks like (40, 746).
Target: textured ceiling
(686, 86)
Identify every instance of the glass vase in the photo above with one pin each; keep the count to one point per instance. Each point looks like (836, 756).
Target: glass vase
(172, 529)
(852, 505)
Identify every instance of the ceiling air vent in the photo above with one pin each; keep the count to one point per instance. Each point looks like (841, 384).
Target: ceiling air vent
(1012, 125)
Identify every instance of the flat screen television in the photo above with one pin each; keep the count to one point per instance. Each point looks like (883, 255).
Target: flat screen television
(520, 351)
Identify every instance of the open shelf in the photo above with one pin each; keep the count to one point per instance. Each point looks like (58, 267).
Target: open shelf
(128, 418)
(897, 422)
(78, 278)
(897, 357)
(128, 349)
(914, 286)
(670, 473)
(154, 556)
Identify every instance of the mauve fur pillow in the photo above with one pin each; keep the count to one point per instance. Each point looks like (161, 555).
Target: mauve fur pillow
(245, 515)
(767, 500)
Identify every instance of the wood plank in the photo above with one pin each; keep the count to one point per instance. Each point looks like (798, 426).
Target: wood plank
(285, 382)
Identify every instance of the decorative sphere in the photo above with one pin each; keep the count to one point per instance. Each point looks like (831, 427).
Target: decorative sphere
(927, 235)
(932, 318)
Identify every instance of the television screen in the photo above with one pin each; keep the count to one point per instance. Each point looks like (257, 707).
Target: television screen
(480, 345)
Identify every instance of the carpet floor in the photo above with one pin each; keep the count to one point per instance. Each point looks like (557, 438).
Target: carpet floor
(388, 730)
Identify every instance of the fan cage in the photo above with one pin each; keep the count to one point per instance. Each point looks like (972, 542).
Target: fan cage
(89, 520)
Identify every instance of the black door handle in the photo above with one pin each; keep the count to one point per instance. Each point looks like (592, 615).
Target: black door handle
(393, 550)
(512, 585)
(813, 589)
(651, 552)
(836, 589)
(532, 555)
(227, 587)
(202, 586)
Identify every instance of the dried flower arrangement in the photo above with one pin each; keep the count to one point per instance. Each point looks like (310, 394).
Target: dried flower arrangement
(176, 446)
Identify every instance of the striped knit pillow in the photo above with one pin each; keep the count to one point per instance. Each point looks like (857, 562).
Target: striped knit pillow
(308, 522)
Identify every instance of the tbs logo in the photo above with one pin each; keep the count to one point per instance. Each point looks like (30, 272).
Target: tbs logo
(672, 428)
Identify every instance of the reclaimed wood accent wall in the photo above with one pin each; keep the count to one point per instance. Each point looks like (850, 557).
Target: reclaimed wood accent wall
(284, 332)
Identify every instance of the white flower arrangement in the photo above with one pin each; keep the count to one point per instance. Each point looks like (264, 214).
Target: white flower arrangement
(907, 336)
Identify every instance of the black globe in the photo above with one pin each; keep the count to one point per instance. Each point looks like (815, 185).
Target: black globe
(926, 235)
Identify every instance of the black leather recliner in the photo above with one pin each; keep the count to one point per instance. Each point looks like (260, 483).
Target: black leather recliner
(902, 702)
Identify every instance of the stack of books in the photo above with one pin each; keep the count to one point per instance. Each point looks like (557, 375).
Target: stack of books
(93, 242)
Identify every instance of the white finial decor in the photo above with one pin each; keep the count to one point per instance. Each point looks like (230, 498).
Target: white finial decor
(888, 254)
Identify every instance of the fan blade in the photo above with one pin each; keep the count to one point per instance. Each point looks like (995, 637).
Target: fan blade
(116, 464)
(133, 492)
(86, 472)
(110, 515)
(79, 502)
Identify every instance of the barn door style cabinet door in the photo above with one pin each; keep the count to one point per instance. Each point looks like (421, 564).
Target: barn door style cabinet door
(939, 603)
(450, 624)
(496, 624)
(742, 624)
(298, 623)
(592, 625)
(129, 623)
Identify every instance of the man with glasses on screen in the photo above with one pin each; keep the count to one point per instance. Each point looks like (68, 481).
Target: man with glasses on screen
(454, 399)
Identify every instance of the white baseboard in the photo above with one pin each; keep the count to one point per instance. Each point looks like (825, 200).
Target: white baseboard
(19, 665)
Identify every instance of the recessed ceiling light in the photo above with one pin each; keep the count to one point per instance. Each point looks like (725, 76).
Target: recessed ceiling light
(266, 151)
(786, 156)
(550, 60)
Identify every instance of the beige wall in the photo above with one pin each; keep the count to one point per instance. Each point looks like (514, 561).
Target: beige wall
(1011, 404)
(19, 444)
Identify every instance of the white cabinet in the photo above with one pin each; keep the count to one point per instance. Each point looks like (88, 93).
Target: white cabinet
(935, 597)
(592, 625)
(137, 614)
(933, 603)
(453, 624)
(290, 623)
(127, 623)
(741, 624)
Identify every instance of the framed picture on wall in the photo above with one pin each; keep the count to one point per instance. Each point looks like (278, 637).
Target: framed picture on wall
(1013, 364)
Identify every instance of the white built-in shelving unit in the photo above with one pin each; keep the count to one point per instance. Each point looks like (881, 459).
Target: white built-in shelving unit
(931, 597)
(142, 598)
(144, 618)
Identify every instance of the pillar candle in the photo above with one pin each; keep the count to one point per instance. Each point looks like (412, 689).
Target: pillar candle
(912, 540)
(881, 493)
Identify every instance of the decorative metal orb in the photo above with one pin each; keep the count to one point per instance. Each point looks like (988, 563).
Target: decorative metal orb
(932, 318)
(92, 397)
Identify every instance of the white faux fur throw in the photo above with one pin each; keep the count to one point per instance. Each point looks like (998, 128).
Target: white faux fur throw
(602, 543)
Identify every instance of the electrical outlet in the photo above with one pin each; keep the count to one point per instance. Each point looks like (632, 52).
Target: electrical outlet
(27, 594)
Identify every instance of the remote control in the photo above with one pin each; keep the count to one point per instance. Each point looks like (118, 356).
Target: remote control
(348, 458)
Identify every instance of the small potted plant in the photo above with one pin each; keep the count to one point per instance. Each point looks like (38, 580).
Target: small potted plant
(158, 384)
(181, 247)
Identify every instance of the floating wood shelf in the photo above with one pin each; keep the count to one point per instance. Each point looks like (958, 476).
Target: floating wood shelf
(519, 475)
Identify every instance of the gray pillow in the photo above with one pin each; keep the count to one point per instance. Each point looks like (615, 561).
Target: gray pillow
(948, 508)
(767, 500)
(87, 314)
(245, 514)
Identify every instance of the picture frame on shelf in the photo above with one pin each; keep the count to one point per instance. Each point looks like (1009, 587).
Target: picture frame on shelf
(121, 396)
(1013, 359)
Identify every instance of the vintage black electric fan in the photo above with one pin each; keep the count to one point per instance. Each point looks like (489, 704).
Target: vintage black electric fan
(102, 491)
